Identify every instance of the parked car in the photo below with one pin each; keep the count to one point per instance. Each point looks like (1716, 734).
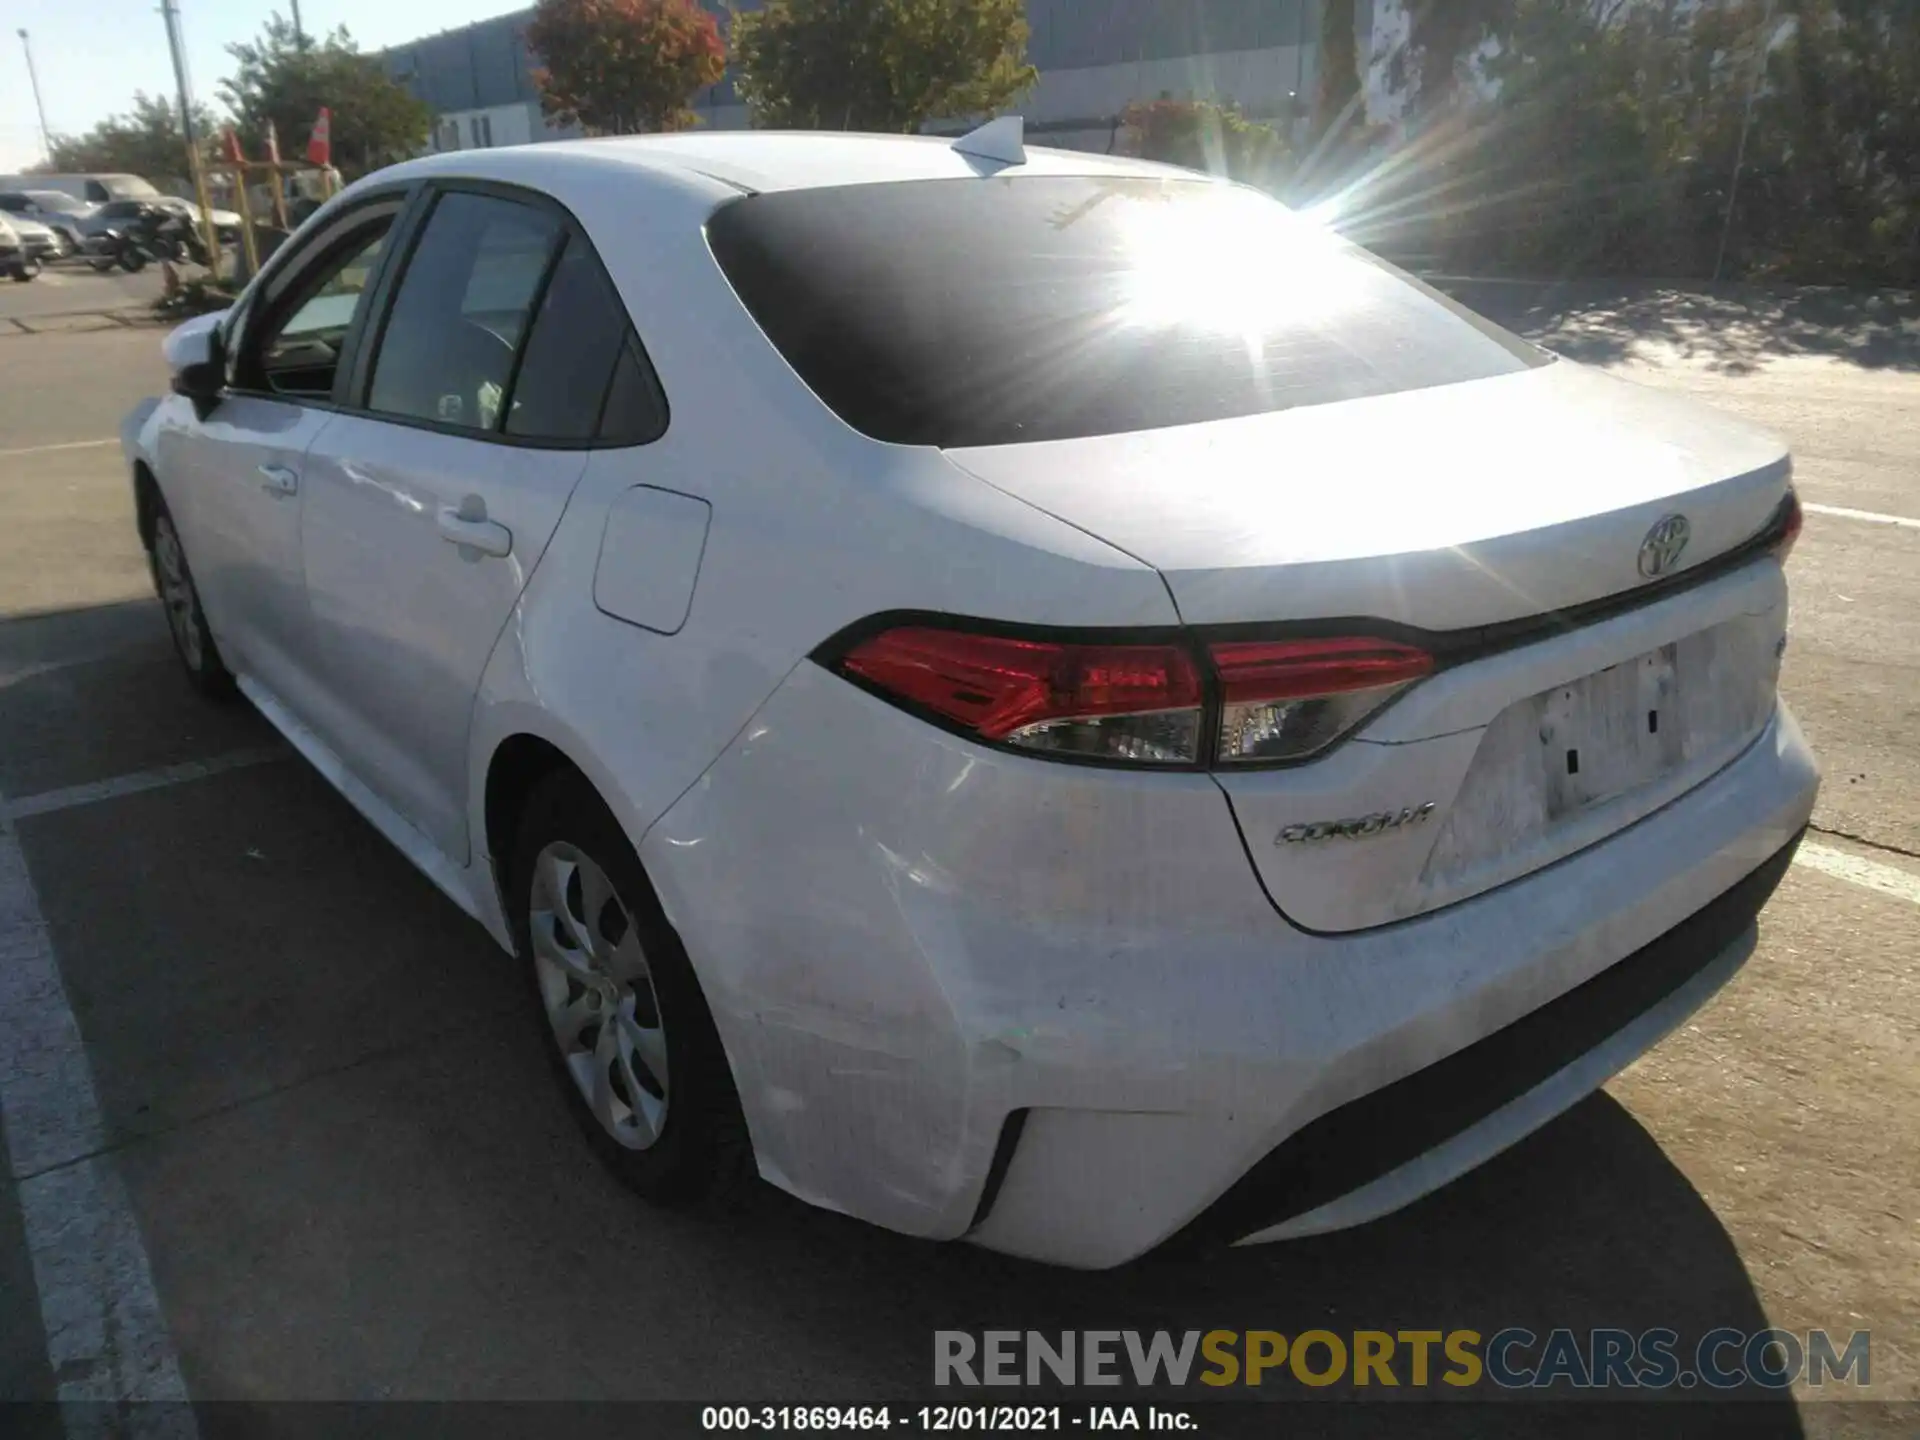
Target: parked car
(58, 212)
(16, 260)
(37, 240)
(1018, 695)
(94, 187)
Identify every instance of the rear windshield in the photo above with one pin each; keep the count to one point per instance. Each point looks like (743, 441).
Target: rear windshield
(995, 311)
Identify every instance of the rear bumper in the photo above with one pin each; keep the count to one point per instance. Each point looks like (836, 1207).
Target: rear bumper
(909, 941)
(1373, 1155)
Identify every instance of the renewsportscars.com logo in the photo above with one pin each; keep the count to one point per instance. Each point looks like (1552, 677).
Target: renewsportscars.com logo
(1511, 1359)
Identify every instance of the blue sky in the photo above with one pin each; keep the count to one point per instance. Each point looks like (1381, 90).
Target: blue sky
(93, 54)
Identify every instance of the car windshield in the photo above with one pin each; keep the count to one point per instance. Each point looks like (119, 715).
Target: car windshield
(58, 200)
(994, 311)
(120, 209)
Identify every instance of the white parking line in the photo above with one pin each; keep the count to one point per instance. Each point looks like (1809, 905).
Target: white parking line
(92, 793)
(1872, 517)
(107, 1340)
(63, 445)
(1843, 865)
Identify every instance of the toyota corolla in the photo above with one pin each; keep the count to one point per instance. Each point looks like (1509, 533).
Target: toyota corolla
(1017, 695)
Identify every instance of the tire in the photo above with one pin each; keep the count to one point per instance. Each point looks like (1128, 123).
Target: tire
(132, 260)
(186, 619)
(25, 270)
(682, 1140)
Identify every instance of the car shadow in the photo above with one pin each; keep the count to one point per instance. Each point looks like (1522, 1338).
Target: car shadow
(1585, 1225)
(1733, 329)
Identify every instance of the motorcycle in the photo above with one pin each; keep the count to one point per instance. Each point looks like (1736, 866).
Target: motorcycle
(152, 234)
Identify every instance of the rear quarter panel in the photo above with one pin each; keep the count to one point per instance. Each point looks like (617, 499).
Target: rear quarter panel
(813, 527)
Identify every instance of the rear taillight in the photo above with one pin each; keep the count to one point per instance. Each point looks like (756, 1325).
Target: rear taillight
(1789, 524)
(1288, 699)
(1114, 702)
(1271, 700)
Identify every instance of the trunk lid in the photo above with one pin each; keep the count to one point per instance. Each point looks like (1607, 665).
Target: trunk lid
(1443, 508)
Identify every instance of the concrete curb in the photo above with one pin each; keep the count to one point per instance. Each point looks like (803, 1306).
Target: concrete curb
(78, 321)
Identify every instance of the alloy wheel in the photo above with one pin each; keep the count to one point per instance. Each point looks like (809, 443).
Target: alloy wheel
(598, 991)
(177, 593)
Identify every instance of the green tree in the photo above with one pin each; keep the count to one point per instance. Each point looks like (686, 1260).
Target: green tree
(1832, 189)
(147, 142)
(1204, 136)
(1585, 158)
(1559, 137)
(1336, 98)
(285, 79)
(885, 65)
(621, 67)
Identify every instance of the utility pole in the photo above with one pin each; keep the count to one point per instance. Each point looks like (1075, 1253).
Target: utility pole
(1746, 123)
(299, 34)
(170, 12)
(33, 78)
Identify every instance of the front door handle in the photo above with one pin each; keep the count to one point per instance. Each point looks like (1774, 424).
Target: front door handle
(279, 480)
(470, 529)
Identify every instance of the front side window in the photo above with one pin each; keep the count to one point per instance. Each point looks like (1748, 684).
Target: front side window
(995, 311)
(299, 355)
(447, 353)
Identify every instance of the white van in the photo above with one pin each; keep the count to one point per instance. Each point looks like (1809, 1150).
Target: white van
(95, 189)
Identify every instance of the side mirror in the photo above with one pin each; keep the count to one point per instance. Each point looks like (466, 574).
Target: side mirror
(198, 361)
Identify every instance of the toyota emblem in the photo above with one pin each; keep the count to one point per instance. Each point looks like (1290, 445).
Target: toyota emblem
(1660, 551)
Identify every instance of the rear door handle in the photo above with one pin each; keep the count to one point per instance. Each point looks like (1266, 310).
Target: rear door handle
(470, 529)
(279, 480)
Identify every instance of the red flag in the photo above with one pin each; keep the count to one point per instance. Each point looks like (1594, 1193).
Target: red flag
(230, 147)
(320, 146)
(273, 144)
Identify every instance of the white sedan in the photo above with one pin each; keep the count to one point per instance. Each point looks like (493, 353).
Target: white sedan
(1017, 695)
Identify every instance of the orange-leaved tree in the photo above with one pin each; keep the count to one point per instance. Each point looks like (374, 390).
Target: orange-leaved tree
(621, 67)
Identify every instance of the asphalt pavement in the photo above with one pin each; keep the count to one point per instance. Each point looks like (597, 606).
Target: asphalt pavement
(68, 288)
(320, 1157)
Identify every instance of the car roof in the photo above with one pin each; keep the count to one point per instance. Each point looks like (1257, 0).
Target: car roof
(753, 161)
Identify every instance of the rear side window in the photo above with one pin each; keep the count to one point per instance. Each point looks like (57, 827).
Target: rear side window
(581, 351)
(995, 311)
(505, 321)
(635, 412)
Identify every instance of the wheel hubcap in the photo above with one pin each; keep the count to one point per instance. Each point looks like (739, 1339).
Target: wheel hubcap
(176, 591)
(599, 995)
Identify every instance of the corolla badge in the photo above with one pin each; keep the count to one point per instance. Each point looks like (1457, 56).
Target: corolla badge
(1660, 551)
(1358, 828)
